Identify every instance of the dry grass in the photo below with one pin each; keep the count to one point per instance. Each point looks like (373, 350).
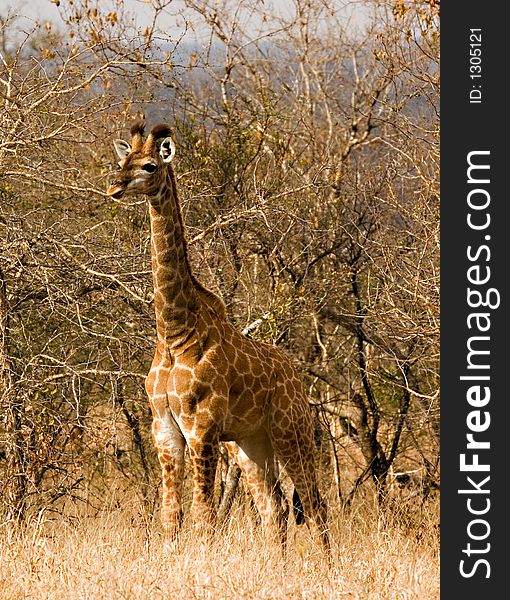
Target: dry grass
(117, 555)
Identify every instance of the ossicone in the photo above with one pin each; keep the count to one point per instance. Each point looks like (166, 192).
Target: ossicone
(138, 128)
(161, 131)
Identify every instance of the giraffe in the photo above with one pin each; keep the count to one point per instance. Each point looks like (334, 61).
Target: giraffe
(208, 382)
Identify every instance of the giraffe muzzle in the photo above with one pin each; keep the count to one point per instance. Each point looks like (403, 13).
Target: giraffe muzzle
(115, 191)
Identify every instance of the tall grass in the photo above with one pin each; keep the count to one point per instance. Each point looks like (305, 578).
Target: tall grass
(118, 554)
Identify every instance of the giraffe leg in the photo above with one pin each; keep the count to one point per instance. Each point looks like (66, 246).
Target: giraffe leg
(292, 437)
(204, 453)
(170, 445)
(255, 457)
(298, 461)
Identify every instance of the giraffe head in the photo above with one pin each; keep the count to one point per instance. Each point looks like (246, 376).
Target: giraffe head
(143, 163)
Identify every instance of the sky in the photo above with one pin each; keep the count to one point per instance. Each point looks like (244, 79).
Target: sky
(46, 10)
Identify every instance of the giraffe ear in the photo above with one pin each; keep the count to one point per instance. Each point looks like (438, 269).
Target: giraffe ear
(122, 148)
(167, 149)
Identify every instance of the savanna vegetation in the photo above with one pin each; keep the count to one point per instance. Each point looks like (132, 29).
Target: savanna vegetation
(308, 168)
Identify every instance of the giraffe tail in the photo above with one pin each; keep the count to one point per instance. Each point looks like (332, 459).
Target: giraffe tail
(299, 511)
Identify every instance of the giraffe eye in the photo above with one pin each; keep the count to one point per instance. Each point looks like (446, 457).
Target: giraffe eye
(149, 167)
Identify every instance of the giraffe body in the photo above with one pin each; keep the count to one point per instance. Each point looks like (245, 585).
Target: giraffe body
(209, 383)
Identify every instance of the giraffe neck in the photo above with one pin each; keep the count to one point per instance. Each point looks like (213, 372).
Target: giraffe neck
(175, 299)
